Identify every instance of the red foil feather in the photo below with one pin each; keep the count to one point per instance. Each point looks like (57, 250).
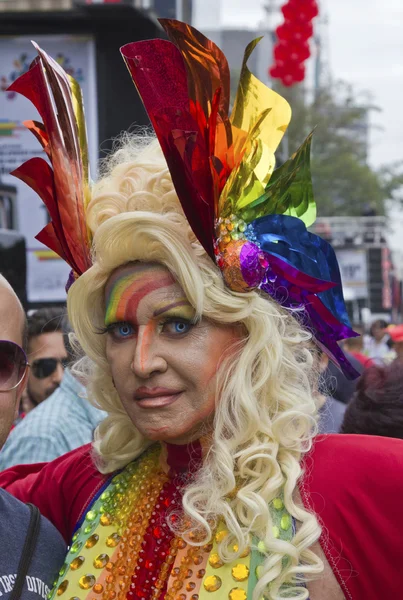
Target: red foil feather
(64, 186)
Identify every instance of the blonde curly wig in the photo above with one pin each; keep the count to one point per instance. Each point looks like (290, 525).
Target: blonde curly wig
(265, 418)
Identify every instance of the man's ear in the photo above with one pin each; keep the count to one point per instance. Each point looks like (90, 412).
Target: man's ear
(20, 391)
(21, 387)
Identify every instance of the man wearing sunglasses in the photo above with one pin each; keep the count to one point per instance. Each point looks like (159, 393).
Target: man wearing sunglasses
(47, 355)
(18, 522)
(62, 422)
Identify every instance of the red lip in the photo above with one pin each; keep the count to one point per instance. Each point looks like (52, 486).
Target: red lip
(156, 397)
(156, 392)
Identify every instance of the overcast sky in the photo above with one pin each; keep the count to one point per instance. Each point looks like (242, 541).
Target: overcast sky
(365, 47)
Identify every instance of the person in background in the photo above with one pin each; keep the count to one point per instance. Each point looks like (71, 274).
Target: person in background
(377, 407)
(49, 549)
(47, 355)
(62, 422)
(355, 347)
(396, 336)
(377, 344)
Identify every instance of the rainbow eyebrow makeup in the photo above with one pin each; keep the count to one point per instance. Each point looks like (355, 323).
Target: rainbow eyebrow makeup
(126, 292)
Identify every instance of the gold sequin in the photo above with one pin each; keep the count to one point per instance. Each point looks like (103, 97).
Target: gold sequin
(285, 522)
(237, 594)
(90, 543)
(86, 582)
(215, 561)
(240, 572)
(62, 587)
(221, 535)
(212, 583)
(113, 540)
(278, 503)
(105, 520)
(101, 561)
(190, 586)
(244, 554)
(77, 563)
(98, 588)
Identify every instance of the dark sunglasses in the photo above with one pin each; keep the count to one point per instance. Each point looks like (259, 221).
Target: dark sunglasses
(13, 365)
(44, 367)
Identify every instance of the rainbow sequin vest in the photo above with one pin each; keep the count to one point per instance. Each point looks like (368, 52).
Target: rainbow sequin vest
(124, 549)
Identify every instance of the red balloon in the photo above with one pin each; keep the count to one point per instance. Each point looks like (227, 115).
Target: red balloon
(294, 51)
(290, 11)
(298, 51)
(302, 30)
(286, 31)
(299, 73)
(275, 71)
(300, 10)
(287, 80)
(281, 50)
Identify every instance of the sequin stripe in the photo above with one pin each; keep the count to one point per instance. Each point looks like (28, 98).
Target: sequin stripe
(188, 571)
(283, 528)
(129, 558)
(158, 548)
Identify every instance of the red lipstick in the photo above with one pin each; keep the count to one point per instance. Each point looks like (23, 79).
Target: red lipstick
(156, 397)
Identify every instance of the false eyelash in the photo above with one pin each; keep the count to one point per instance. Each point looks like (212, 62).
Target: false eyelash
(174, 319)
(109, 328)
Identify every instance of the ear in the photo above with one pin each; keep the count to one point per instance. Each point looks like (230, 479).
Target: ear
(21, 387)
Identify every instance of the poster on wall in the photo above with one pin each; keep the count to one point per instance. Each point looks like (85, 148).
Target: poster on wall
(354, 272)
(46, 273)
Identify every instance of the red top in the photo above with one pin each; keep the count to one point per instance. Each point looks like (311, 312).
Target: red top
(354, 483)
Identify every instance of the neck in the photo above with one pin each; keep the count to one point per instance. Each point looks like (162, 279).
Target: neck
(184, 458)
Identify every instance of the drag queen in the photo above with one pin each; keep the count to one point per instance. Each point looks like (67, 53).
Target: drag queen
(199, 297)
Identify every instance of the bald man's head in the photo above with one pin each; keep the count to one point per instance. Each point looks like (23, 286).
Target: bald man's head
(13, 322)
(12, 328)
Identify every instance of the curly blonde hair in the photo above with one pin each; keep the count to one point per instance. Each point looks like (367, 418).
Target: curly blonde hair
(265, 418)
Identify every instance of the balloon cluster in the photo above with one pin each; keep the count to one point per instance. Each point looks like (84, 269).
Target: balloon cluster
(292, 47)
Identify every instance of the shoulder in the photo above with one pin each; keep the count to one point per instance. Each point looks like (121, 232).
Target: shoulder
(49, 412)
(50, 548)
(61, 489)
(353, 483)
(41, 436)
(354, 456)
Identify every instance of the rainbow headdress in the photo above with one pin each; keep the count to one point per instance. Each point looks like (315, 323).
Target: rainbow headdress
(251, 218)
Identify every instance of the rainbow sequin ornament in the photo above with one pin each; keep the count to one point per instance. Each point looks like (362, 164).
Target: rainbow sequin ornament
(124, 548)
(251, 218)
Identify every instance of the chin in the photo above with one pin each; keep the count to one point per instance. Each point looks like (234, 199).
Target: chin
(166, 434)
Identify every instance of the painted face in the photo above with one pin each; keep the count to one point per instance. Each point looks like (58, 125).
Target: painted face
(163, 364)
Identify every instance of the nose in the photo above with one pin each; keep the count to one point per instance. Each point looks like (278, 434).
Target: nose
(146, 359)
(58, 374)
